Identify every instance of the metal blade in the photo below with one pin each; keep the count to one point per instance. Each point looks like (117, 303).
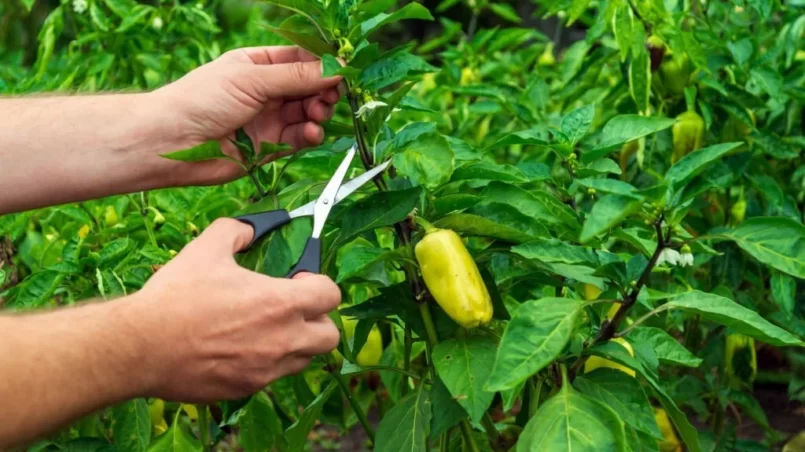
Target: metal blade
(345, 190)
(327, 198)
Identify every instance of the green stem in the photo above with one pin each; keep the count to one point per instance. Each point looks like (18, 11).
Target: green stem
(466, 432)
(430, 327)
(426, 225)
(489, 426)
(444, 441)
(367, 427)
(203, 427)
(533, 403)
(407, 358)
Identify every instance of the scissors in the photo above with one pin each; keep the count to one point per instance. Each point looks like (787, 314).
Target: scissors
(264, 223)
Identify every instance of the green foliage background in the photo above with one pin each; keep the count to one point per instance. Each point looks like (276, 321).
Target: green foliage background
(553, 157)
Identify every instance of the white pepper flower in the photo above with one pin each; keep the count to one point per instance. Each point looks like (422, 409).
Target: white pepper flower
(686, 257)
(79, 6)
(157, 23)
(669, 256)
(369, 106)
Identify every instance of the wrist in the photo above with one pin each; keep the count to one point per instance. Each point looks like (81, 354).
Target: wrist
(166, 130)
(139, 358)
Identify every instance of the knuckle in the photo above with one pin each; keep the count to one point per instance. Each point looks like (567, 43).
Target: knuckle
(298, 71)
(332, 336)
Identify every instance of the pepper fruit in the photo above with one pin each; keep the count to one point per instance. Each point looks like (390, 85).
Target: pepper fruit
(596, 362)
(156, 410)
(372, 350)
(687, 133)
(452, 276)
(738, 210)
(110, 217)
(671, 442)
(546, 58)
(740, 360)
(627, 151)
(675, 74)
(656, 51)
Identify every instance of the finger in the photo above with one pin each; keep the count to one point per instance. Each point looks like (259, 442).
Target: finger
(331, 96)
(309, 109)
(294, 364)
(225, 236)
(270, 54)
(321, 336)
(302, 135)
(315, 295)
(291, 80)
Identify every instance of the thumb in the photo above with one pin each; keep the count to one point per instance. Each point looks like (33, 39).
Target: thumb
(297, 79)
(225, 236)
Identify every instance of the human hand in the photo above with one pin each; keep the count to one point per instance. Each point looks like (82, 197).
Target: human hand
(216, 331)
(277, 94)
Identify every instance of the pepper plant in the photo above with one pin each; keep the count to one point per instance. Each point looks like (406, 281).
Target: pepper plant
(631, 215)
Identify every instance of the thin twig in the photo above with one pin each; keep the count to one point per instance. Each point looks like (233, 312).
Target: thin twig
(610, 327)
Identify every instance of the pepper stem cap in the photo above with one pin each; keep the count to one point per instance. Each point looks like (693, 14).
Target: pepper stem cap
(425, 224)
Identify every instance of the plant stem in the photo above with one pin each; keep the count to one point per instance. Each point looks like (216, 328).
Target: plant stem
(533, 403)
(610, 328)
(407, 359)
(203, 427)
(444, 441)
(356, 408)
(489, 426)
(473, 26)
(641, 320)
(466, 432)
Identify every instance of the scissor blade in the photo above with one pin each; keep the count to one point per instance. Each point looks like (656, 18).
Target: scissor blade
(345, 190)
(327, 198)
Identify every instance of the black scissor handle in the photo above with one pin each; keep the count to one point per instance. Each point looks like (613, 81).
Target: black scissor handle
(263, 223)
(311, 258)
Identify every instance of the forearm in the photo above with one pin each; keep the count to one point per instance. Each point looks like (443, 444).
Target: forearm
(62, 365)
(55, 150)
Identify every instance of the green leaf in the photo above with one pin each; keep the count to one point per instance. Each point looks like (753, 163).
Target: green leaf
(523, 137)
(487, 171)
(463, 366)
(378, 210)
(426, 162)
(259, 424)
(624, 128)
(576, 124)
(476, 225)
(775, 241)
(624, 395)
(640, 79)
(175, 440)
(505, 11)
(689, 434)
(692, 164)
(783, 292)
(570, 421)
(332, 67)
(390, 70)
(770, 80)
(312, 43)
(136, 16)
(726, 312)
(409, 11)
(622, 29)
(557, 251)
(206, 151)
(296, 434)
(28, 4)
(538, 204)
(577, 9)
(609, 186)
(448, 412)
(131, 426)
(405, 427)
(667, 349)
(535, 336)
(607, 213)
